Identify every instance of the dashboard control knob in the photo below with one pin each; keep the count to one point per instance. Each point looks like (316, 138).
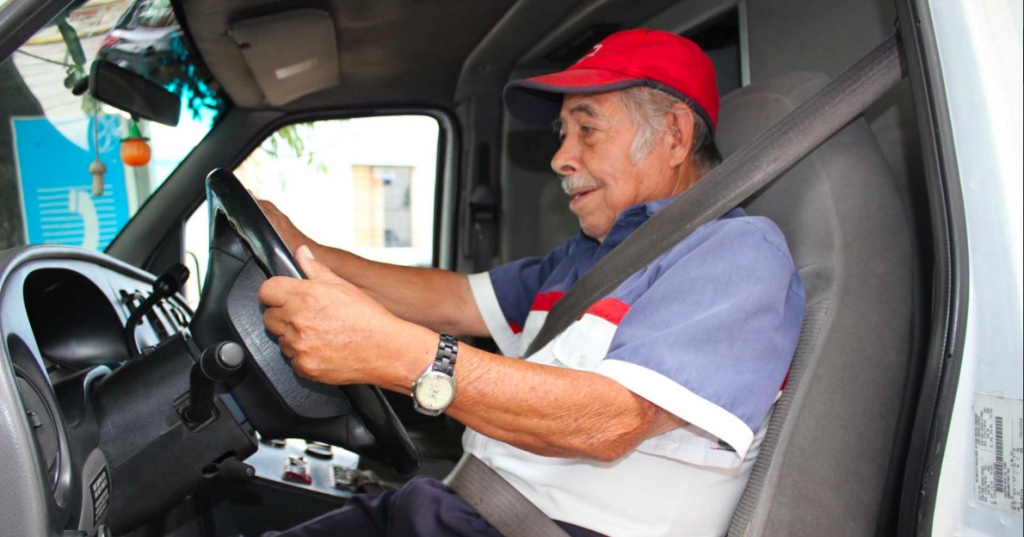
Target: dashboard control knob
(319, 450)
(220, 362)
(34, 419)
(233, 469)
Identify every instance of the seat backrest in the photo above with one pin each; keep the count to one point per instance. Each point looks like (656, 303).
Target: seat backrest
(824, 462)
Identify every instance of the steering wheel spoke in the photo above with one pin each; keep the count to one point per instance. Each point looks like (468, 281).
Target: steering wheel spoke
(245, 250)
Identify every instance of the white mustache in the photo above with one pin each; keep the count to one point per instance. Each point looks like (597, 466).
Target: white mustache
(578, 182)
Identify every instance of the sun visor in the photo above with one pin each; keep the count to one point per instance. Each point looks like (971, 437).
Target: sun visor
(291, 54)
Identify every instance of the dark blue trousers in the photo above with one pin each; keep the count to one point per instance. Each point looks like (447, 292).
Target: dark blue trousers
(424, 507)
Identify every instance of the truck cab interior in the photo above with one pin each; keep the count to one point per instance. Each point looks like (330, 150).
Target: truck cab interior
(99, 437)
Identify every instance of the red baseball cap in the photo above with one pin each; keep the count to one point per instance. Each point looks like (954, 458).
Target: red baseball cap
(651, 58)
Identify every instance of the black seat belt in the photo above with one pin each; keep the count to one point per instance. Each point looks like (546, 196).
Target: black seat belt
(759, 162)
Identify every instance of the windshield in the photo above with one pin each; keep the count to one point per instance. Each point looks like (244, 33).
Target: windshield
(51, 139)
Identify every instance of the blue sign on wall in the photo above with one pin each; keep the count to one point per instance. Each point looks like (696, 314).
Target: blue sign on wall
(53, 157)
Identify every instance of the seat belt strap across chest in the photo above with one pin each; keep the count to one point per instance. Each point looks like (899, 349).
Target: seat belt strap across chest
(761, 161)
(498, 502)
(737, 179)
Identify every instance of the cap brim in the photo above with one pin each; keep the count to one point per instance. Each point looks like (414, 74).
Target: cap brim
(538, 101)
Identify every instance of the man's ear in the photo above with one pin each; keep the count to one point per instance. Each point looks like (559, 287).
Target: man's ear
(681, 129)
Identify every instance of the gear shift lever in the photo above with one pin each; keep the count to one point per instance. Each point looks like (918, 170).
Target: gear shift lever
(217, 364)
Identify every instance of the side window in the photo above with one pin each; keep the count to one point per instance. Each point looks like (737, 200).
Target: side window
(365, 185)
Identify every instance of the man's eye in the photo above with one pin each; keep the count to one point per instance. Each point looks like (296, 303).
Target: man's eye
(586, 130)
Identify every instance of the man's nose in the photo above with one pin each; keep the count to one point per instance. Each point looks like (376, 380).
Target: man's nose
(565, 161)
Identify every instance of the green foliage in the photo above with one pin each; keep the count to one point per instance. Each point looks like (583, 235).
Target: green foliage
(290, 142)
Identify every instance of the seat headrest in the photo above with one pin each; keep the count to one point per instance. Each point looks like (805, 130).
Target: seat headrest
(807, 202)
(749, 111)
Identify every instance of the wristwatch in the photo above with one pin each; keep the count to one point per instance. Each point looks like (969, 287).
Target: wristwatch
(434, 391)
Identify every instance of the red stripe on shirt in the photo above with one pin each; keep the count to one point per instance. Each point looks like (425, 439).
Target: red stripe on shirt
(609, 309)
(516, 329)
(546, 301)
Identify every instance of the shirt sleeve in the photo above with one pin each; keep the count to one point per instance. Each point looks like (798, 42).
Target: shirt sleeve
(712, 340)
(505, 295)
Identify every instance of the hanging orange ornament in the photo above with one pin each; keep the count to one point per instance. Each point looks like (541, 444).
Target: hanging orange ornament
(135, 149)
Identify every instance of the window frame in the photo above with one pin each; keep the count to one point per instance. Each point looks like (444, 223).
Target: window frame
(443, 249)
(930, 424)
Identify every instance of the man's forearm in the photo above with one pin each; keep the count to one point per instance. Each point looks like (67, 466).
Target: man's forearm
(437, 299)
(546, 410)
(335, 333)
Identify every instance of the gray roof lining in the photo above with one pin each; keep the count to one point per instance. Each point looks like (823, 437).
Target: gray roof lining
(389, 50)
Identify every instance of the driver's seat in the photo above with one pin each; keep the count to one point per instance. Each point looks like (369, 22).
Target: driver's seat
(824, 462)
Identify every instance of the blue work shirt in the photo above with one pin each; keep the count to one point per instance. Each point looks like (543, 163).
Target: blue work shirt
(706, 332)
(718, 315)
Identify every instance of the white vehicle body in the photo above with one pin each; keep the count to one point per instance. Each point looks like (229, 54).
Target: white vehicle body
(980, 49)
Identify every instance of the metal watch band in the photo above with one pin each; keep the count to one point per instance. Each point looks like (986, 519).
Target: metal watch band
(447, 352)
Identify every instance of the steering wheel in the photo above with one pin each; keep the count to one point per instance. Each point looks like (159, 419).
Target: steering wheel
(245, 250)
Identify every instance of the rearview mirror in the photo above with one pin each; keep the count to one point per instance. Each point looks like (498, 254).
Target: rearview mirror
(135, 94)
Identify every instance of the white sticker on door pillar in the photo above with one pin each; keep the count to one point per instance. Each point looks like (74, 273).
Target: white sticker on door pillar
(998, 456)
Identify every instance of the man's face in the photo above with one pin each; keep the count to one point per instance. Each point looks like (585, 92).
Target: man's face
(595, 165)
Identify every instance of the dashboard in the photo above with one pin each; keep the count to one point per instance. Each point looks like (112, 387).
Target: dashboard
(62, 318)
(76, 312)
(104, 428)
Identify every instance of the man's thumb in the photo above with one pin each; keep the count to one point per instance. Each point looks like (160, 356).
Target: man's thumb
(314, 269)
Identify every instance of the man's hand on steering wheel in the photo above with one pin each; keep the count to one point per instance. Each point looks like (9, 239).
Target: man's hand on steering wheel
(290, 234)
(336, 334)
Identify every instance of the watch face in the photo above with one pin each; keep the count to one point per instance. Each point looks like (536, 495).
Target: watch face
(435, 392)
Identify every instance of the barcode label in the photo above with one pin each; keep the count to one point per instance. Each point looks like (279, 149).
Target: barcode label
(999, 452)
(1000, 466)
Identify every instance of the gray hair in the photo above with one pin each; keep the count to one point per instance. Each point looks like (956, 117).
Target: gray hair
(647, 107)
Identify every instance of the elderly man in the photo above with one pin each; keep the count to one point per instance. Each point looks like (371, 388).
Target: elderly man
(642, 419)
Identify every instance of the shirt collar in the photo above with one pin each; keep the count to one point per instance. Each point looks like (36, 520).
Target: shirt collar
(635, 216)
(655, 207)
